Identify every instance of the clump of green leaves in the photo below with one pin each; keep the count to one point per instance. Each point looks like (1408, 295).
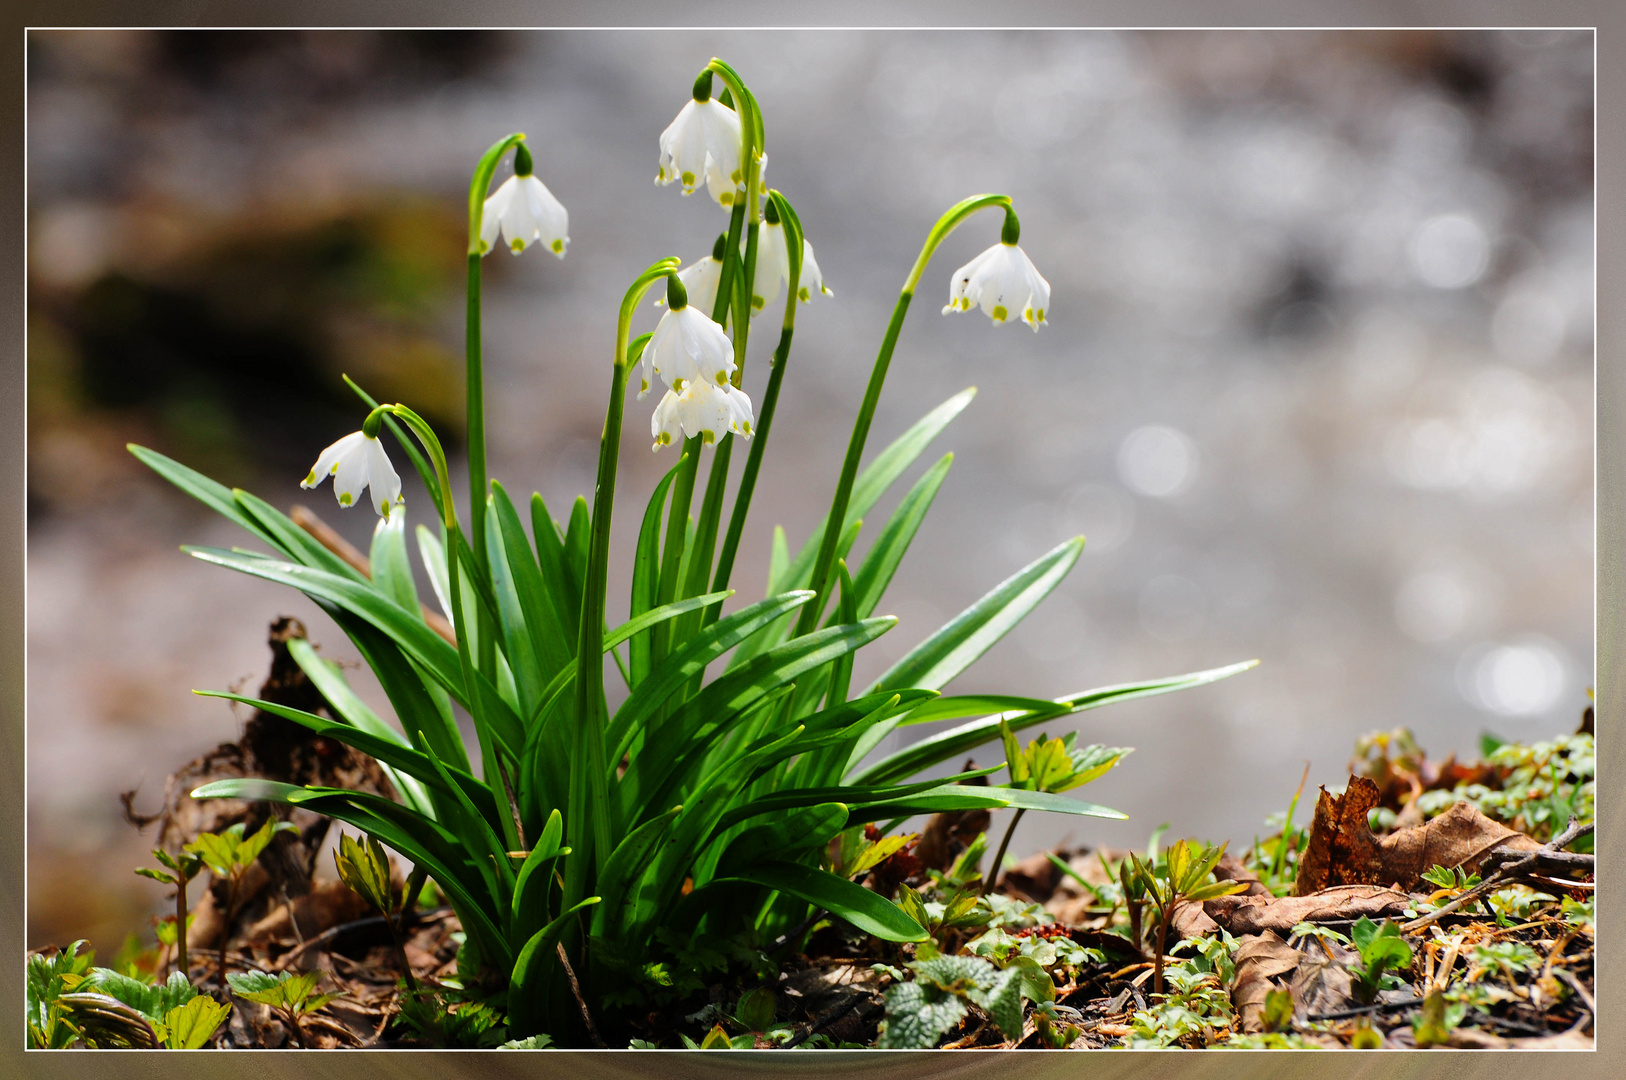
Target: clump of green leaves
(1182, 877)
(292, 995)
(446, 1021)
(1052, 766)
(178, 869)
(1381, 949)
(1434, 1022)
(919, 1012)
(70, 1001)
(1542, 786)
(48, 978)
(228, 855)
(1196, 1012)
(365, 867)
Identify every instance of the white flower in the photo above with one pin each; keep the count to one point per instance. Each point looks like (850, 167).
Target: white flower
(355, 462)
(703, 409)
(725, 189)
(705, 136)
(773, 268)
(687, 347)
(1003, 280)
(527, 212)
(701, 281)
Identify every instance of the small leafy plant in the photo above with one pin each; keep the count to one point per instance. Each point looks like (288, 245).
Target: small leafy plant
(365, 867)
(292, 995)
(178, 870)
(228, 855)
(1182, 877)
(70, 1001)
(920, 1011)
(1381, 948)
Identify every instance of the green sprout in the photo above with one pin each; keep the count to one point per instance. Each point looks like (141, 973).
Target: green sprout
(228, 855)
(1052, 766)
(365, 867)
(290, 994)
(179, 869)
(1182, 878)
(1381, 948)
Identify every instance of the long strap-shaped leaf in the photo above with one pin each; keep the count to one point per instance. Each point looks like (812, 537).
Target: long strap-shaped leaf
(959, 740)
(422, 643)
(676, 670)
(889, 547)
(526, 988)
(416, 837)
(399, 759)
(974, 631)
(540, 599)
(868, 911)
(621, 872)
(675, 749)
(958, 797)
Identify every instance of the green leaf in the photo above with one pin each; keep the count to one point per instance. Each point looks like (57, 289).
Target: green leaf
(535, 960)
(563, 587)
(539, 596)
(391, 569)
(958, 741)
(646, 573)
(153, 1001)
(799, 830)
(190, 1026)
(918, 1016)
(661, 614)
(623, 869)
(216, 496)
(889, 547)
(868, 911)
(420, 642)
(974, 631)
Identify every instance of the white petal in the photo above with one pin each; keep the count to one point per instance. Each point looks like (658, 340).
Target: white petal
(491, 214)
(350, 478)
(551, 218)
(381, 476)
(329, 459)
(773, 266)
(812, 278)
(965, 285)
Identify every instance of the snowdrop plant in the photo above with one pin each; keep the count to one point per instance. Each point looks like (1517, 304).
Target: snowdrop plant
(587, 837)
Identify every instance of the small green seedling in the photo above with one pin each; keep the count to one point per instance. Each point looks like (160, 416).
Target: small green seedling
(1181, 879)
(1381, 948)
(179, 869)
(49, 977)
(228, 855)
(471, 1025)
(365, 867)
(1049, 765)
(1055, 1025)
(288, 993)
(1433, 1024)
(1278, 1014)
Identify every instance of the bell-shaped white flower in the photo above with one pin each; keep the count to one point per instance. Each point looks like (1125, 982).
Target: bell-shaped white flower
(701, 409)
(773, 268)
(1003, 281)
(701, 279)
(704, 138)
(526, 211)
(687, 347)
(355, 462)
(724, 190)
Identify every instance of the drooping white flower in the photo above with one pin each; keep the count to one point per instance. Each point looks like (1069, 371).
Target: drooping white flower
(355, 462)
(1003, 281)
(687, 347)
(528, 213)
(773, 268)
(704, 138)
(724, 190)
(702, 279)
(701, 409)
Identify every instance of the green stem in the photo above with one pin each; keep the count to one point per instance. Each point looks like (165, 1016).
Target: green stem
(588, 818)
(946, 224)
(999, 856)
(181, 963)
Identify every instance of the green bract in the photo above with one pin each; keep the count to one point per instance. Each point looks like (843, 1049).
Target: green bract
(582, 840)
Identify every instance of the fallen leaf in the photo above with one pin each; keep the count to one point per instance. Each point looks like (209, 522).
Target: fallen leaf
(1261, 959)
(1257, 914)
(1343, 851)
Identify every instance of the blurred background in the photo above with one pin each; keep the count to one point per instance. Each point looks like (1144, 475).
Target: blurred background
(1317, 384)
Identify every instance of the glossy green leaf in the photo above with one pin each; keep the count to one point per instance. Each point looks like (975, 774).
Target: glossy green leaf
(868, 911)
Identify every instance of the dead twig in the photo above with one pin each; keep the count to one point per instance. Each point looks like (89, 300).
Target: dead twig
(581, 1002)
(1502, 875)
(1581, 992)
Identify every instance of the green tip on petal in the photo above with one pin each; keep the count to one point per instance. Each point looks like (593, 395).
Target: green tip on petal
(708, 437)
(1000, 314)
(309, 481)
(346, 499)
(688, 179)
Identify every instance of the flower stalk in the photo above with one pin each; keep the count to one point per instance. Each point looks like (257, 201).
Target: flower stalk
(951, 220)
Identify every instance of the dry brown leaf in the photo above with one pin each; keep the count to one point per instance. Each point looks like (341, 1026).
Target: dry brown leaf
(1257, 914)
(1343, 851)
(1260, 959)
